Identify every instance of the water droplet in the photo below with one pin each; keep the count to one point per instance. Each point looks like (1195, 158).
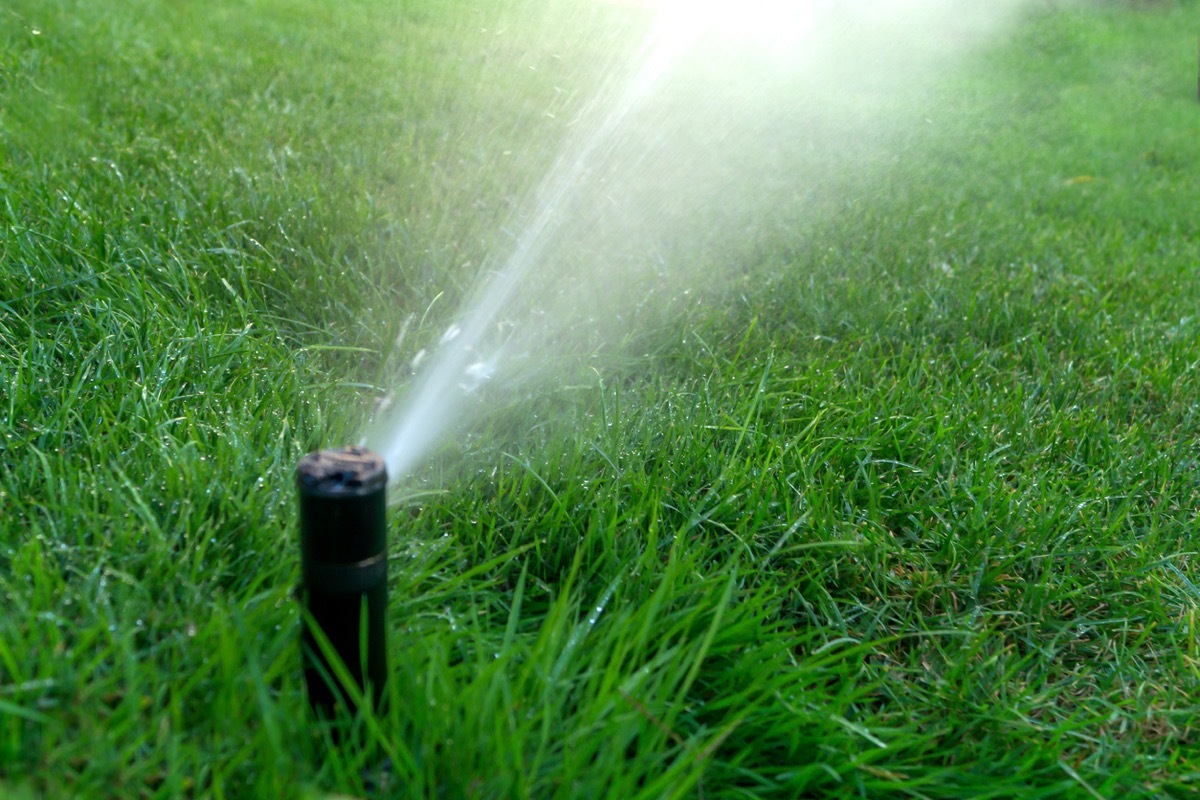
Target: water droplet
(476, 375)
(418, 359)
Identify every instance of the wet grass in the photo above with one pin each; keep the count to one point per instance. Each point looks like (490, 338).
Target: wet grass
(904, 509)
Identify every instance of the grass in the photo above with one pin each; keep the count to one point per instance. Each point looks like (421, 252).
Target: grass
(906, 508)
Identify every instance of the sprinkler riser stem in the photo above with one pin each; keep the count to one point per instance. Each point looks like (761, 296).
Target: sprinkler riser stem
(343, 552)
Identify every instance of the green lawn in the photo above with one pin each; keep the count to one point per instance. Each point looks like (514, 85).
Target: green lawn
(900, 501)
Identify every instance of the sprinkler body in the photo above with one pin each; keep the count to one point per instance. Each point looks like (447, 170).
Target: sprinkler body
(343, 553)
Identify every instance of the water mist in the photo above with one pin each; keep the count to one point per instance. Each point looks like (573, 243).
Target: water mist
(727, 114)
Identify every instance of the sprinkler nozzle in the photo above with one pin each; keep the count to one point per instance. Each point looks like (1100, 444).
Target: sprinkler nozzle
(343, 554)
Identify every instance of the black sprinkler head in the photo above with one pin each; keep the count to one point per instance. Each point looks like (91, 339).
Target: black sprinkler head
(343, 553)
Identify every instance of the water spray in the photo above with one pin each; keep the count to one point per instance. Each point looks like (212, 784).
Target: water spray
(343, 553)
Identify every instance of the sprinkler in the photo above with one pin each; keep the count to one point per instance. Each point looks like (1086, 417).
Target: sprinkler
(343, 555)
